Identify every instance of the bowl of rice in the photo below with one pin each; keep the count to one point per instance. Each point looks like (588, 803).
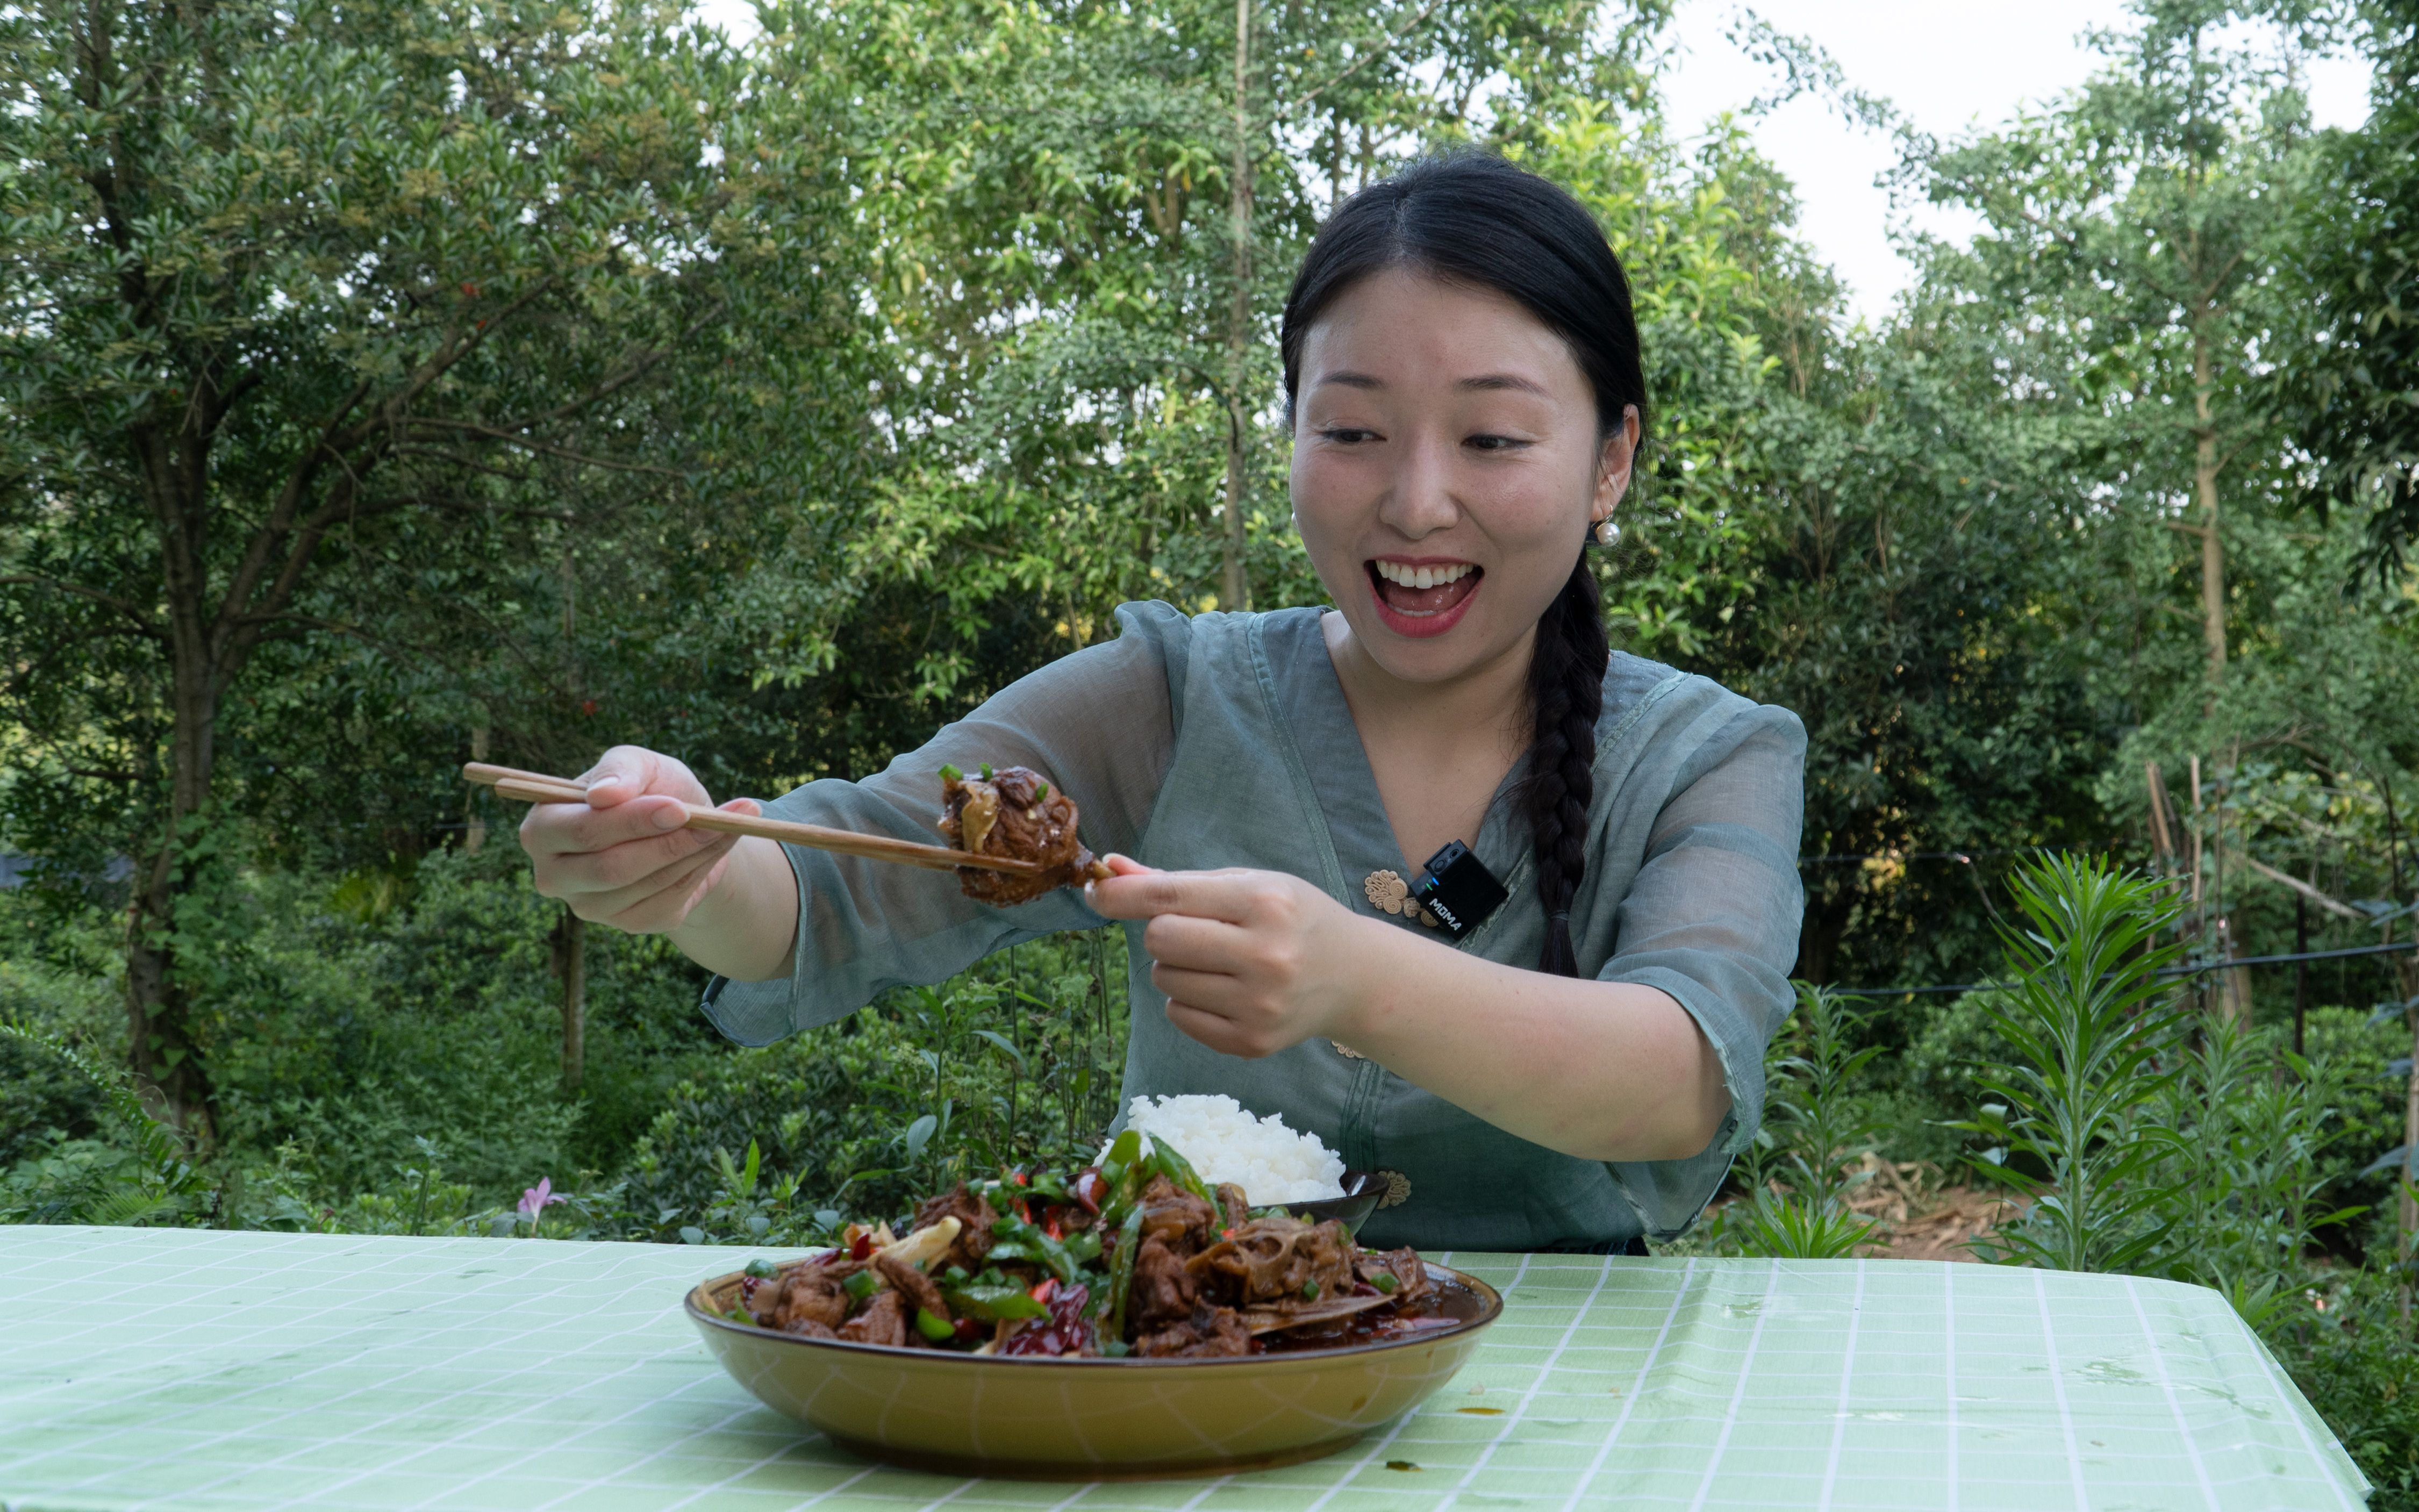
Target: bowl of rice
(1277, 1167)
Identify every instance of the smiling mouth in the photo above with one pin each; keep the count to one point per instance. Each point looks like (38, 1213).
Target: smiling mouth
(1423, 592)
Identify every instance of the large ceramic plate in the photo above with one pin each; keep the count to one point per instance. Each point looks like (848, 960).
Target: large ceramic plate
(1093, 1419)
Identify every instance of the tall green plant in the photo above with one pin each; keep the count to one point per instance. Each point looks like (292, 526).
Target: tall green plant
(2252, 1122)
(1813, 1129)
(2092, 1049)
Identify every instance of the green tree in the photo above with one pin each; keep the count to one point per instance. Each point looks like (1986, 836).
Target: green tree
(310, 317)
(2356, 236)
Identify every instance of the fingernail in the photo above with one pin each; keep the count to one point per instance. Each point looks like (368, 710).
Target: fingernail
(670, 819)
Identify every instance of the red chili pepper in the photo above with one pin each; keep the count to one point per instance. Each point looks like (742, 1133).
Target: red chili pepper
(861, 1247)
(1019, 1177)
(1052, 1228)
(967, 1329)
(1225, 1233)
(1025, 1209)
(1047, 1289)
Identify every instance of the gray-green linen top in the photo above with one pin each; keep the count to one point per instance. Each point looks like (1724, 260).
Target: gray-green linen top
(1224, 740)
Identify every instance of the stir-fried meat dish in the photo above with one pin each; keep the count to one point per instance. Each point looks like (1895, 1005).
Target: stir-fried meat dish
(1132, 1257)
(1015, 814)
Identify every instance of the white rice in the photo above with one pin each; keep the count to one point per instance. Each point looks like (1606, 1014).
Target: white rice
(1272, 1162)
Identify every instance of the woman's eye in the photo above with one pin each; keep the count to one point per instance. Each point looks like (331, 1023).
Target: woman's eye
(1494, 443)
(1346, 435)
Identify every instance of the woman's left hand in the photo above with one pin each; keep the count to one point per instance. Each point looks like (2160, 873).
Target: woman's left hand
(1252, 962)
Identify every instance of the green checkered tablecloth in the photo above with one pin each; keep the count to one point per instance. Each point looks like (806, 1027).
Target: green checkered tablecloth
(177, 1368)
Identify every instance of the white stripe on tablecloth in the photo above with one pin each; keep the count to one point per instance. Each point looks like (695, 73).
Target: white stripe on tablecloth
(1371, 1458)
(2200, 1472)
(1636, 1388)
(1604, 1274)
(824, 1495)
(1738, 1393)
(2057, 1387)
(1847, 1374)
(1949, 1354)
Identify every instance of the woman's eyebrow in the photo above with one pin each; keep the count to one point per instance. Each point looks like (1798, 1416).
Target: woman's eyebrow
(1502, 380)
(1349, 379)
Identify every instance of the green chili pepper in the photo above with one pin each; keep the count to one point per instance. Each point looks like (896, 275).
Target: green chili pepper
(762, 1269)
(1179, 1170)
(860, 1286)
(1040, 1247)
(1046, 1184)
(952, 773)
(1127, 1147)
(741, 1315)
(1121, 1273)
(989, 1305)
(939, 1330)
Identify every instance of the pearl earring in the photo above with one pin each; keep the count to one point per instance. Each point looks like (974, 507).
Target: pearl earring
(1607, 532)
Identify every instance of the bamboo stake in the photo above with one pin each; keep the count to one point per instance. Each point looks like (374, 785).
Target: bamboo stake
(536, 787)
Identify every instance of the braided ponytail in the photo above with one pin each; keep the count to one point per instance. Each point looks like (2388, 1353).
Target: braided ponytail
(1567, 692)
(1477, 220)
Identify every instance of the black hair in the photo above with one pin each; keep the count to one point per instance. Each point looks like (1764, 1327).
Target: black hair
(1472, 218)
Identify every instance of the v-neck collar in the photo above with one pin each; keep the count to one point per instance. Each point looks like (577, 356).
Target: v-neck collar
(1336, 759)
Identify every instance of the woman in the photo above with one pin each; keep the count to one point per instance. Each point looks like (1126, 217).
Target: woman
(1462, 375)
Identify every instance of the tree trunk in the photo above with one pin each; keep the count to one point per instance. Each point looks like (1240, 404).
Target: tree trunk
(1236, 590)
(2406, 969)
(571, 968)
(2300, 969)
(2213, 549)
(162, 1047)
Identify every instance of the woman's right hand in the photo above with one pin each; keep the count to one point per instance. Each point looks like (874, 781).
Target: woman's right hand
(625, 859)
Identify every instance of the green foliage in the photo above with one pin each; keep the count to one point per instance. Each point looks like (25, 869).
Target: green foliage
(146, 1178)
(1797, 1170)
(2086, 1022)
(1014, 1063)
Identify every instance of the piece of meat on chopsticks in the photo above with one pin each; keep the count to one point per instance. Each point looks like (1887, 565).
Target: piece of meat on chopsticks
(1013, 813)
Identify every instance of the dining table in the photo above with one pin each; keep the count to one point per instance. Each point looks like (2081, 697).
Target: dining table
(202, 1368)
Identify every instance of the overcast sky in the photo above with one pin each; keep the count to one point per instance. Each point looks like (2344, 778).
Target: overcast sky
(1949, 65)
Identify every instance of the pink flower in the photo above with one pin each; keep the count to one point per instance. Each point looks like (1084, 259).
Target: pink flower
(536, 1199)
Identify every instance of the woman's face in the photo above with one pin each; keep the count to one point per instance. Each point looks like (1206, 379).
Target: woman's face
(1446, 467)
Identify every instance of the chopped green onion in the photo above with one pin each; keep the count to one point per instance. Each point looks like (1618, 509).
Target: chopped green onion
(741, 1315)
(1041, 794)
(1310, 1291)
(1384, 1281)
(952, 773)
(986, 771)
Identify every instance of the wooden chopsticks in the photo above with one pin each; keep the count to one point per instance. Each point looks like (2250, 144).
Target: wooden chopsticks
(536, 787)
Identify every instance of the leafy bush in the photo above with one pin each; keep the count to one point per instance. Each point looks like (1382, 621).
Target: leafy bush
(1016, 1062)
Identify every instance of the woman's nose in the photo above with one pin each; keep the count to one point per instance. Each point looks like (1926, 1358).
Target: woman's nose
(1420, 496)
